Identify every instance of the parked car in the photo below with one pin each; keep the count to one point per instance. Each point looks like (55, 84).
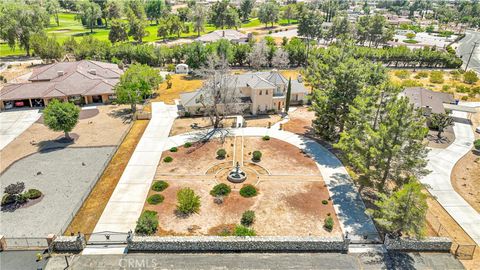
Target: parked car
(8, 105)
(477, 129)
(19, 104)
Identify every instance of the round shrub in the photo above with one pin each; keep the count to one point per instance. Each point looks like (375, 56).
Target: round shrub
(324, 202)
(147, 223)
(220, 190)
(329, 224)
(257, 155)
(33, 194)
(155, 199)
(436, 76)
(8, 199)
(160, 186)
(168, 159)
(470, 77)
(476, 143)
(248, 191)
(187, 201)
(266, 138)
(248, 217)
(187, 145)
(173, 149)
(221, 153)
(244, 231)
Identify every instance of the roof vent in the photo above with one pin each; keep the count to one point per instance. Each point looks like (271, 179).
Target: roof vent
(93, 71)
(60, 73)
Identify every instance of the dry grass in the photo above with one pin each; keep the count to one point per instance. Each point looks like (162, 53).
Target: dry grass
(180, 84)
(92, 208)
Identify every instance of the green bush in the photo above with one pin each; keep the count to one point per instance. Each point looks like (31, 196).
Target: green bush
(248, 217)
(173, 149)
(187, 201)
(155, 199)
(410, 41)
(329, 224)
(324, 202)
(410, 35)
(445, 88)
(266, 138)
(248, 191)
(257, 155)
(421, 74)
(402, 74)
(436, 76)
(470, 77)
(187, 145)
(476, 143)
(33, 194)
(160, 186)
(220, 190)
(22, 198)
(244, 231)
(464, 98)
(147, 223)
(168, 159)
(8, 199)
(411, 83)
(221, 153)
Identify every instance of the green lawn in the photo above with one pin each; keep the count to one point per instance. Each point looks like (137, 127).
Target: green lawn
(69, 26)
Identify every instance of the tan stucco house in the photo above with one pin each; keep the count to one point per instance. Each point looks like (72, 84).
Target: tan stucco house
(81, 82)
(260, 93)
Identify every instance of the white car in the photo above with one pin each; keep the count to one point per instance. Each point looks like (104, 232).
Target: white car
(477, 129)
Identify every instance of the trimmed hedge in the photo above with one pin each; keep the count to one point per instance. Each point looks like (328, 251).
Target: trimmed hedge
(257, 155)
(32, 194)
(173, 149)
(168, 159)
(187, 145)
(221, 153)
(159, 186)
(266, 138)
(155, 199)
(220, 190)
(248, 191)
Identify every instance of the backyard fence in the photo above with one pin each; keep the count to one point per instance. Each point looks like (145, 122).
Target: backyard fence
(26, 243)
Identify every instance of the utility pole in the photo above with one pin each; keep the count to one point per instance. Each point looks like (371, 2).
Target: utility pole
(471, 53)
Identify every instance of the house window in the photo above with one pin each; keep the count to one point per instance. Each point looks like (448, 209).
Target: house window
(266, 92)
(260, 92)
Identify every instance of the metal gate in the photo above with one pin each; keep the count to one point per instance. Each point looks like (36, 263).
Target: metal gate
(107, 238)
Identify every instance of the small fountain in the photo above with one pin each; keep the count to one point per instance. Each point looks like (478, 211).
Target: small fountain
(236, 175)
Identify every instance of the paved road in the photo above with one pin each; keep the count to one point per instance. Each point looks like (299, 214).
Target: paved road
(465, 48)
(259, 261)
(15, 122)
(126, 202)
(347, 202)
(441, 163)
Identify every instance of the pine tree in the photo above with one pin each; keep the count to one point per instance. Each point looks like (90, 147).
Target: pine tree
(289, 93)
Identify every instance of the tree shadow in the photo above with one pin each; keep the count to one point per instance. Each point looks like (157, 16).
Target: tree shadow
(436, 139)
(57, 144)
(125, 114)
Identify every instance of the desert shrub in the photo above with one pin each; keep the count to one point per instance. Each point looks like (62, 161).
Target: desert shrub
(324, 202)
(8, 199)
(22, 198)
(266, 138)
(476, 143)
(464, 98)
(257, 155)
(33, 194)
(220, 190)
(329, 224)
(168, 159)
(187, 145)
(445, 88)
(160, 186)
(411, 83)
(470, 77)
(170, 67)
(155, 199)
(187, 201)
(15, 188)
(221, 153)
(436, 76)
(410, 35)
(248, 217)
(173, 149)
(421, 74)
(455, 74)
(462, 89)
(402, 74)
(248, 191)
(244, 231)
(475, 90)
(147, 223)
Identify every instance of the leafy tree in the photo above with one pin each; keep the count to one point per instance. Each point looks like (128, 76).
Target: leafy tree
(46, 47)
(136, 84)
(232, 20)
(113, 10)
(199, 17)
(289, 93)
(310, 26)
(218, 13)
(196, 55)
(53, 7)
(280, 59)
(258, 55)
(136, 19)
(269, 12)
(176, 25)
(296, 50)
(61, 116)
(379, 31)
(403, 212)
(240, 53)
(163, 28)
(289, 12)
(118, 31)
(89, 13)
(187, 201)
(246, 7)
(362, 29)
(184, 14)
(18, 22)
(340, 28)
(155, 9)
(91, 48)
(440, 121)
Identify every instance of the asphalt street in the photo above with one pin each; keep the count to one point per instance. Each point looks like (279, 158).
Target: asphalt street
(465, 48)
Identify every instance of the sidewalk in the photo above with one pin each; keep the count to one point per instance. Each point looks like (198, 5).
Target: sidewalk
(126, 203)
(441, 163)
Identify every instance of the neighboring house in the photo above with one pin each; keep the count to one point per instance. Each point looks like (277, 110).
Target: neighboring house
(81, 82)
(181, 69)
(228, 34)
(259, 93)
(429, 101)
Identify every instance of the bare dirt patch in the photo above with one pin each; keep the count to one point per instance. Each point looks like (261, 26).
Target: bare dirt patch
(447, 138)
(279, 157)
(183, 125)
(180, 84)
(300, 121)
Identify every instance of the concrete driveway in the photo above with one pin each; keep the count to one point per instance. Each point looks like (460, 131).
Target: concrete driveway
(15, 122)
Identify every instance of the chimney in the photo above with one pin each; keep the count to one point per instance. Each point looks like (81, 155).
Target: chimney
(60, 73)
(300, 78)
(93, 71)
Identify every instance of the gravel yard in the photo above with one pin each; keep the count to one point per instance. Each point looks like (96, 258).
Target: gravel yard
(65, 178)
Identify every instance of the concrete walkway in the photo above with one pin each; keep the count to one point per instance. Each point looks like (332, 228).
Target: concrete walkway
(126, 203)
(441, 163)
(347, 202)
(15, 122)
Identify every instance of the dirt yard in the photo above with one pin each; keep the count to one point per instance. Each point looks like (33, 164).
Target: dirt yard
(447, 138)
(103, 129)
(180, 84)
(300, 121)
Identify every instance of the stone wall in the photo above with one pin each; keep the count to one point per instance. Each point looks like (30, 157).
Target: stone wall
(441, 244)
(69, 243)
(233, 243)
